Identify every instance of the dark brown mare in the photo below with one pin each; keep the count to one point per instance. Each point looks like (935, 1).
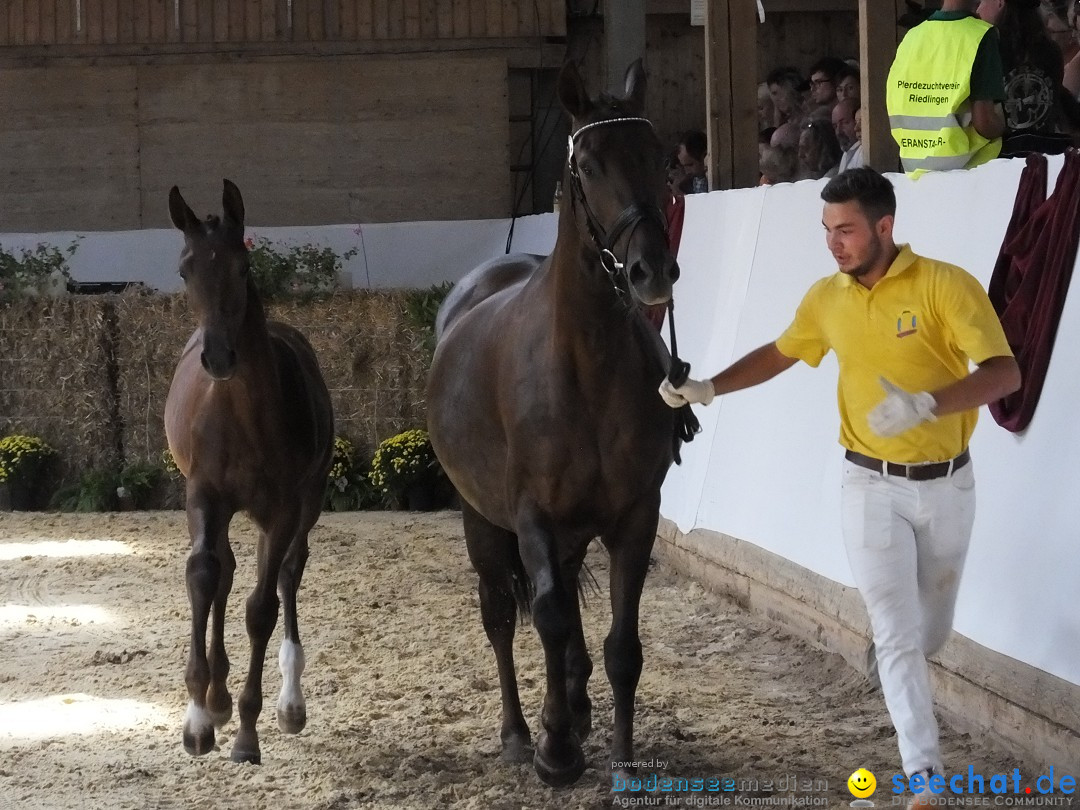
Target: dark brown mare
(250, 425)
(543, 410)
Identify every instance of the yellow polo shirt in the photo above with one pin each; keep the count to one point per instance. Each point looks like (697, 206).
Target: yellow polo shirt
(918, 327)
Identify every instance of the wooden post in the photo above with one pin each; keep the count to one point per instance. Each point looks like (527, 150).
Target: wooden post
(731, 92)
(624, 39)
(878, 38)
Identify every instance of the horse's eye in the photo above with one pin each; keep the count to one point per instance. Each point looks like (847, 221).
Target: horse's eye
(587, 170)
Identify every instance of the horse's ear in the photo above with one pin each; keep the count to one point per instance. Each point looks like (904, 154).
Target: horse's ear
(181, 214)
(232, 204)
(572, 93)
(635, 85)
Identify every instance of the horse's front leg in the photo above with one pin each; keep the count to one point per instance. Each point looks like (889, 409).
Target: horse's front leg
(208, 524)
(579, 665)
(218, 700)
(630, 546)
(558, 759)
(261, 618)
(291, 706)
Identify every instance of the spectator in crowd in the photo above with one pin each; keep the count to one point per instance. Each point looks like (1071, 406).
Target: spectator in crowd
(766, 112)
(1034, 69)
(1057, 24)
(853, 158)
(692, 149)
(823, 81)
(944, 90)
(819, 151)
(786, 88)
(847, 84)
(779, 164)
(843, 122)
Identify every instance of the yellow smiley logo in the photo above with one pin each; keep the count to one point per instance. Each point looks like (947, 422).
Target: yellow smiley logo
(862, 783)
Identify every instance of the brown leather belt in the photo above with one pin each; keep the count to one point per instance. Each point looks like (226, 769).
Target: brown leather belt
(913, 472)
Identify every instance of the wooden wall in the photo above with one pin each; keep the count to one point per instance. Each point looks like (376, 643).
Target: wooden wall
(114, 22)
(352, 139)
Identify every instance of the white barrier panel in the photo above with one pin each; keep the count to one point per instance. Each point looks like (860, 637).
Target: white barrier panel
(395, 255)
(766, 469)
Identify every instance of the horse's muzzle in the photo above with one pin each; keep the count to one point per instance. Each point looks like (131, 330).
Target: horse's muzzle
(221, 365)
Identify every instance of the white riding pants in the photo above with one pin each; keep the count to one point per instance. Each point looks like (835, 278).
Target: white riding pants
(906, 543)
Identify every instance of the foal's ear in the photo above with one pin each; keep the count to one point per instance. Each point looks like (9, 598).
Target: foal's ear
(635, 86)
(181, 214)
(572, 93)
(232, 204)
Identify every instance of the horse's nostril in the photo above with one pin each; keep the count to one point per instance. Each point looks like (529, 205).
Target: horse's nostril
(637, 273)
(674, 272)
(202, 359)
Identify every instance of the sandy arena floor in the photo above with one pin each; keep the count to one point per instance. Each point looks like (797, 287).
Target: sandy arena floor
(403, 700)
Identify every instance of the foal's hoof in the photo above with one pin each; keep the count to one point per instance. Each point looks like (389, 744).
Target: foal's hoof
(246, 748)
(292, 719)
(199, 743)
(517, 749)
(562, 768)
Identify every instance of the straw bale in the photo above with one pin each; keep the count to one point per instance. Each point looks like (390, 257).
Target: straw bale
(55, 380)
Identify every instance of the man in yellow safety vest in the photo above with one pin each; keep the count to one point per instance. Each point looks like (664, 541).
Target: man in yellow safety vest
(944, 90)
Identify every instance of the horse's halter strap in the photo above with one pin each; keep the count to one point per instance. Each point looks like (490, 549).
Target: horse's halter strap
(605, 239)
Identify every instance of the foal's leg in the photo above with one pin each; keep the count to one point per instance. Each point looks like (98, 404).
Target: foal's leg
(558, 760)
(208, 524)
(218, 699)
(629, 546)
(291, 707)
(579, 665)
(493, 553)
(261, 618)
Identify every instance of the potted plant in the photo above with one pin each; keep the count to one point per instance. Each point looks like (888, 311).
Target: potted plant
(348, 486)
(406, 471)
(23, 460)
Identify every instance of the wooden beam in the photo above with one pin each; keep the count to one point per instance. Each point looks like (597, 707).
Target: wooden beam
(771, 6)
(731, 92)
(878, 38)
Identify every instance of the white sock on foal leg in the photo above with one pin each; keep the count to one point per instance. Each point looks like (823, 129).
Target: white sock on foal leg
(291, 663)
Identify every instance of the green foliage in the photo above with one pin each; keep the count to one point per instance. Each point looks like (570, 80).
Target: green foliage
(95, 492)
(139, 479)
(22, 458)
(25, 271)
(421, 308)
(402, 461)
(348, 486)
(294, 271)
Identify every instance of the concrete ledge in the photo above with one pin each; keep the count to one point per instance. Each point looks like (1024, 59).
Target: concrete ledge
(978, 691)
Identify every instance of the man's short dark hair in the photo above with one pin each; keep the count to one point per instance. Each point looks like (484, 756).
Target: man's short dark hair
(696, 143)
(873, 192)
(847, 70)
(830, 66)
(786, 76)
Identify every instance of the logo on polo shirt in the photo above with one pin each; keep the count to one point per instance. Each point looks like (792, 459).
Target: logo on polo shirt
(906, 324)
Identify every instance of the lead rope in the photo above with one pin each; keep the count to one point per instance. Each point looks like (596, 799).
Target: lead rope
(686, 423)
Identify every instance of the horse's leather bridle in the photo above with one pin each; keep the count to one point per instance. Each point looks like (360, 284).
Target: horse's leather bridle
(605, 239)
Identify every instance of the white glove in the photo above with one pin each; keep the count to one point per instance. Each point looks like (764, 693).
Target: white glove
(688, 393)
(901, 411)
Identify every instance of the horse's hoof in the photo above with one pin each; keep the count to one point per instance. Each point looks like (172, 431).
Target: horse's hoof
(219, 705)
(559, 771)
(246, 747)
(200, 743)
(517, 749)
(292, 719)
(250, 757)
